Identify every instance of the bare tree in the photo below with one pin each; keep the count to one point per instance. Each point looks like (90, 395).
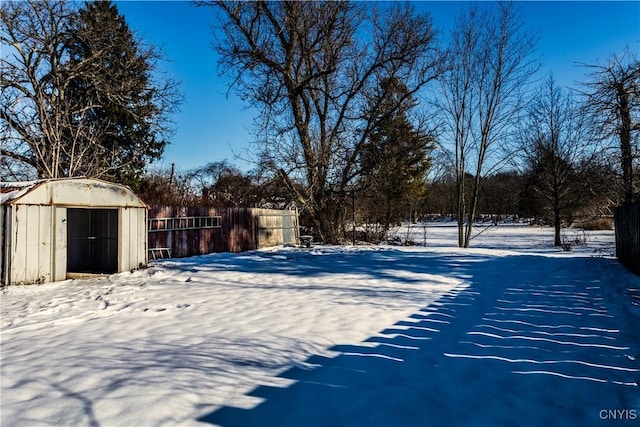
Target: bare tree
(313, 68)
(613, 99)
(78, 96)
(489, 65)
(558, 149)
(34, 110)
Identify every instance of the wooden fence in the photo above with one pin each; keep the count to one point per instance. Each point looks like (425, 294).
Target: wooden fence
(183, 231)
(627, 223)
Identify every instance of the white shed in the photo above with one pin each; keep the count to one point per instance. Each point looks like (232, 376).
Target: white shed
(50, 229)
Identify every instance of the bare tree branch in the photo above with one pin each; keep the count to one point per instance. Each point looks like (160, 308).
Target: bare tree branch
(490, 64)
(312, 68)
(613, 102)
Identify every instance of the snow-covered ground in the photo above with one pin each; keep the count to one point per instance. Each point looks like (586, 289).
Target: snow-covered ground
(510, 332)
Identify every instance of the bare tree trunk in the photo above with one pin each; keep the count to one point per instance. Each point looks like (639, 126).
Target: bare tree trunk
(489, 65)
(557, 225)
(472, 211)
(460, 195)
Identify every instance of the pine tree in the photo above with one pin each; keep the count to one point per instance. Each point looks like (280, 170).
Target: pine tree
(395, 160)
(117, 89)
(78, 93)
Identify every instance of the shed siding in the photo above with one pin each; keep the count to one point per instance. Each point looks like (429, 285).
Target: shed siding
(2, 225)
(60, 248)
(133, 238)
(124, 250)
(142, 237)
(31, 254)
(5, 244)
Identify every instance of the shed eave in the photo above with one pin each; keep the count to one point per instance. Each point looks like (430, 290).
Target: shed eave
(79, 192)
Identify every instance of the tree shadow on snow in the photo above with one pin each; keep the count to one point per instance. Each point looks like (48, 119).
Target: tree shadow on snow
(378, 264)
(525, 344)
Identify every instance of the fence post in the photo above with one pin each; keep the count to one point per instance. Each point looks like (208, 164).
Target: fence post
(627, 225)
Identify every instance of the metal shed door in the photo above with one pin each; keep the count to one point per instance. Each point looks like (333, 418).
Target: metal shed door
(92, 240)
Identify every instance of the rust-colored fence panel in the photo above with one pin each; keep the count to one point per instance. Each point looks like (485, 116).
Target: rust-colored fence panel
(189, 231)
(627, 223)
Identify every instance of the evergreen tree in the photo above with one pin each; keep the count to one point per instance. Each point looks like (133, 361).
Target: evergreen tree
(78, 94)
(395, 160)
(117, 89)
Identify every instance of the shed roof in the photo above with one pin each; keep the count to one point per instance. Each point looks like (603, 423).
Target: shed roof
(82, 192)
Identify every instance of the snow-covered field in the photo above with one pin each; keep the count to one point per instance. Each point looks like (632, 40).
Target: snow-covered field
(510, 332)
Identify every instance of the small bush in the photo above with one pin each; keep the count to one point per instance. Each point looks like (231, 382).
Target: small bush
(577, 238)
(580, 238)
(372, 233)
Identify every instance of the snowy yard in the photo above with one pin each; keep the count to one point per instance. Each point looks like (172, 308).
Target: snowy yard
(511, 332)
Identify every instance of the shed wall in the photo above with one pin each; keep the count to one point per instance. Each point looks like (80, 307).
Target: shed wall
(36, 249)
(277, 227)
(4, 244)
(31, 250)
(60, 244)
(132, 252)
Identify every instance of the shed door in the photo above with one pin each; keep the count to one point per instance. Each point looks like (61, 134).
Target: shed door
(92, 240)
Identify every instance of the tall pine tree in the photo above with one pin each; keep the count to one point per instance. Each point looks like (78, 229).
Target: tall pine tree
(117, 90)
(395, 160)
(79, 92)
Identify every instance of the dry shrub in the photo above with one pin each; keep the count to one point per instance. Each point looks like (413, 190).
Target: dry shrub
(598, 224)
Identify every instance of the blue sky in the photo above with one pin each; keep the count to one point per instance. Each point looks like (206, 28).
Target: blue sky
(214, 124)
